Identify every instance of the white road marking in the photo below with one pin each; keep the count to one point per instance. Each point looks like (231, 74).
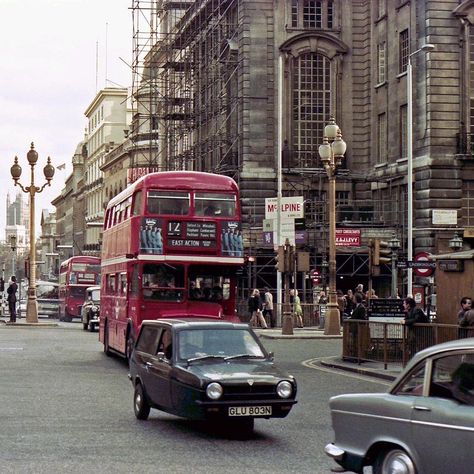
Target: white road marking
(11, 348)
(312, 364)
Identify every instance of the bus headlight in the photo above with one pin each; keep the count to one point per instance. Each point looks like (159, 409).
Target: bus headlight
(214, 391)
(284, 389)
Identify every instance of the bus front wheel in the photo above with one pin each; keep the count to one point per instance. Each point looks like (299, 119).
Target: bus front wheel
(106, 341)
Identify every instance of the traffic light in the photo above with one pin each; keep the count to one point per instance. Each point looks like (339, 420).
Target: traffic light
(382, 254)
(280, 259)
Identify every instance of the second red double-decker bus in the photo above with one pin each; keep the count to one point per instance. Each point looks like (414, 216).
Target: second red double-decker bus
(172, 245)
(75, 275)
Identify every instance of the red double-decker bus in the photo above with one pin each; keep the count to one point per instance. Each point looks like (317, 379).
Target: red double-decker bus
(172, 245)
(75, 275)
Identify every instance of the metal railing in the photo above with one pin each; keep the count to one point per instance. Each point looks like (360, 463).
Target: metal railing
(394, 342)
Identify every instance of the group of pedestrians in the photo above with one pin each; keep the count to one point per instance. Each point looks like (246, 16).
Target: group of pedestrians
(260, 307)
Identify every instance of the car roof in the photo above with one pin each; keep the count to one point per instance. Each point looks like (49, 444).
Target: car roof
(438, 349)
(467, 343)
(194, 323)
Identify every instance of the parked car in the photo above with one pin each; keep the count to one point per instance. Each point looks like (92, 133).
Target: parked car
(424, 424)
(90, 309)
(207, 370)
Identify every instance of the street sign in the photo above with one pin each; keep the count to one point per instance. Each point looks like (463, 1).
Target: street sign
(421, 265)
(290, 207)
(423, 259)
(348, 237)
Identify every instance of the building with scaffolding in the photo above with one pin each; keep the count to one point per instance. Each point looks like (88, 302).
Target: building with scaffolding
(205, 88)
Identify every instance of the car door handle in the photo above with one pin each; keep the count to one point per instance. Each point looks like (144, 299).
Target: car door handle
(421, 408)
(148, 365)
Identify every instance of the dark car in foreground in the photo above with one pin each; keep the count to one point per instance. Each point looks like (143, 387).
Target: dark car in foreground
(207, 370)
(424, 424)
(90, 310)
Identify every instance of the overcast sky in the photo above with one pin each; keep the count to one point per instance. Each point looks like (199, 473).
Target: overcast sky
(48, 79)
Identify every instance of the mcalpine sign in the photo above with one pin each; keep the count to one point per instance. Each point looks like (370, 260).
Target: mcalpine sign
(290, 207)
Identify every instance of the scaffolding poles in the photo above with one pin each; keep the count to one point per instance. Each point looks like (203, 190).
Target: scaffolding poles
(185, 85)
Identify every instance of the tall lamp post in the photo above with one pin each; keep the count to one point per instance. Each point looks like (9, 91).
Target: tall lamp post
(331, 152)
(426, 47)
(394, 245)
(13, 247)
(15, 170)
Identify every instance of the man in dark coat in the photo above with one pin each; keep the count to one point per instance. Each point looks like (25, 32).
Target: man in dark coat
(467, 324)
(415, 315)
(358, 331)
(11, 298)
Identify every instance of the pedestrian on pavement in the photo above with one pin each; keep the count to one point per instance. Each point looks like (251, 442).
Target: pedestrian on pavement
(268, 306)
(297, 309)
(255, 309)
(11, 298)
(349, 302)
(415, 315)
(466, 305)
(341, 304)
(356, 329)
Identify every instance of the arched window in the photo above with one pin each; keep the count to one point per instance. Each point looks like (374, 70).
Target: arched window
(311, 106)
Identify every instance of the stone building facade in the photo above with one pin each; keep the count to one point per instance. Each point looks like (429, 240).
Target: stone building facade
(209, 99)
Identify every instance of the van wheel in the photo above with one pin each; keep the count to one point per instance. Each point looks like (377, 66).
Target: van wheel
(141, 407)
(91, 327)
(84, 326)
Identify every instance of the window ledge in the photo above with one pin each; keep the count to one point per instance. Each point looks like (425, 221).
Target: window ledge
(401, 4)
(380, 18)
(399, 76)
(381, 84)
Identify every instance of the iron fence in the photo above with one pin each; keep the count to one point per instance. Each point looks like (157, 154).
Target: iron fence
(394, 342)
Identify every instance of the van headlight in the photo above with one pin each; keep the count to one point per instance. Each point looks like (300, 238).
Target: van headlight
(94, 309)
(284, 389)
(214, 391)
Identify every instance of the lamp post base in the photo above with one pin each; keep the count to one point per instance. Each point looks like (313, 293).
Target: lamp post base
(332, 325)
(32, 311)
(287, 324)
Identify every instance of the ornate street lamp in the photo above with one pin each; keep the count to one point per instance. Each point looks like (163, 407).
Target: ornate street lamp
(15, 170)
(331, 152)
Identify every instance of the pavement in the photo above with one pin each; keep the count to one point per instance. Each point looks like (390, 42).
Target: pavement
(21, 322)
(367, 368)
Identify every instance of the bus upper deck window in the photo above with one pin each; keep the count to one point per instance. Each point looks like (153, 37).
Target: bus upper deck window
(168, 202)
(214, 204)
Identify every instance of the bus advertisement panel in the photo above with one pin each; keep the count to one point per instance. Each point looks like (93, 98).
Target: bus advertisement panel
(75, 275)
(172, 245)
